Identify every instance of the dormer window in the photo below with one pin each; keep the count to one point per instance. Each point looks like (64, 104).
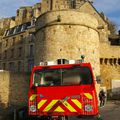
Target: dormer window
(5, 33)
(33, 21)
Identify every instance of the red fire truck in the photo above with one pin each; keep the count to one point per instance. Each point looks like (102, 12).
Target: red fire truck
(58, 91)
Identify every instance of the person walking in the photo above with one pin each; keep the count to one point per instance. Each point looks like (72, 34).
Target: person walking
(102, 97)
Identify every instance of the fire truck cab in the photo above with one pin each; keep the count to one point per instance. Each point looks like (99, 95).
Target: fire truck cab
(58, 91)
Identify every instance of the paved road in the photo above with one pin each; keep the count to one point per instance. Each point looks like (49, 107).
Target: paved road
(111, 111)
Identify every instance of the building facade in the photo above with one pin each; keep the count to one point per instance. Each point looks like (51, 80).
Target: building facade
(17, 43)
(18, 48)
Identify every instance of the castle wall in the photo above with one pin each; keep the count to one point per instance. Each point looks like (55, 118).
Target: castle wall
(14, 89)
(110, 64)
(73, 36)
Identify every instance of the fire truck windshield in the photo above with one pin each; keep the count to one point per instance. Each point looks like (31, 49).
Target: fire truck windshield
(66, 76)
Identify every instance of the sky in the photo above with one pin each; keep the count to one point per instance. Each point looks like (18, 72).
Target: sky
(8, 7)
(111, 8)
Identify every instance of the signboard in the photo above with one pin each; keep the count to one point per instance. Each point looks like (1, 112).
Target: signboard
(115, 86)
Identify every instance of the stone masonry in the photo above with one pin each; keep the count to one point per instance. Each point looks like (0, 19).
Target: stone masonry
(70, 38)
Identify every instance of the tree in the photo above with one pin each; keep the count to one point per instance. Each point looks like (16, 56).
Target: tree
(112, 27)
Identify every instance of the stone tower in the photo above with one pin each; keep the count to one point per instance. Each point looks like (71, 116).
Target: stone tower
(67, 34)
(24, 14)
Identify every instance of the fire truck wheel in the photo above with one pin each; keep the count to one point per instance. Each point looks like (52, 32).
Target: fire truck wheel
(63, 118)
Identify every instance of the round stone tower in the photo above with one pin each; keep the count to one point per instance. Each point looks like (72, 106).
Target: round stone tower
(67, 34)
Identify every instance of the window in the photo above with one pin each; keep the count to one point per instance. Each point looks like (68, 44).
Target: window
(31, 51)
(21, 39)
(31, 38)
(101, 60)
(13, 41)
(19, 66)
(70, 76)
(39, 9)
(51, 3)
(24, 27)
(18, 28)
(0, 56)
(115, 61)
(4, 66)
(11, 31)
(20, 51)
(111, 61)
(30, 65)
(6, 43)
(72, 4)
(119, 61)
(24, 13)
(11, 66)
(12, 53)
(31, 13)
(5, 54)
(33, 21)
(106, 61)
(5, 33)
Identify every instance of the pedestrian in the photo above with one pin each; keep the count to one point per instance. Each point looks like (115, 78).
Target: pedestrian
(102, 97)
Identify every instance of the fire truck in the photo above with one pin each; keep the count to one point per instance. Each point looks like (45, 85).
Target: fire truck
(59, 90)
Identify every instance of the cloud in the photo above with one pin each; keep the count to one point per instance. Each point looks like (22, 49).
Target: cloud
(8, 7)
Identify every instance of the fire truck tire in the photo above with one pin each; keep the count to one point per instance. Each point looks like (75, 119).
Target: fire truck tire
(63, 118)
(45, 118)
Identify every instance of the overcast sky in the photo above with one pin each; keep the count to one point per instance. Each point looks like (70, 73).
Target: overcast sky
(111, 8)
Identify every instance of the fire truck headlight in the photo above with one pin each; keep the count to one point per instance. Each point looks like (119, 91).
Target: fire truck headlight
(88, 108)
(33, 108)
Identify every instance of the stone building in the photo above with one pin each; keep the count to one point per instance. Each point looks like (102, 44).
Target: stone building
(18, 48)
(17, 44)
